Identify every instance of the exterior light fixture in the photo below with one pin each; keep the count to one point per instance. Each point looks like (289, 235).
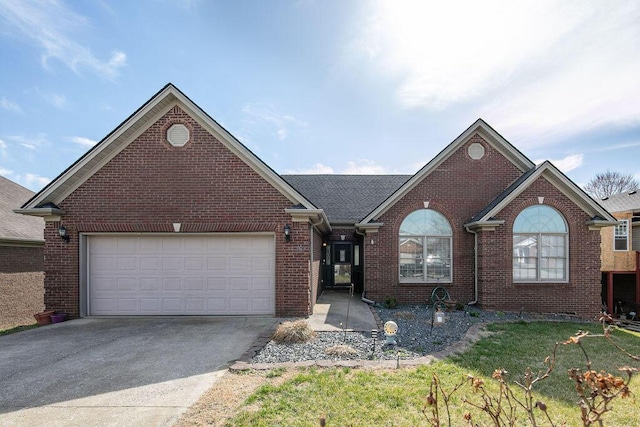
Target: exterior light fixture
(287, 232)
(63, 233)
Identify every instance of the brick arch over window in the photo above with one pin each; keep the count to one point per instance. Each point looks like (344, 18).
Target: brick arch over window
(540, 245)
(425, 248)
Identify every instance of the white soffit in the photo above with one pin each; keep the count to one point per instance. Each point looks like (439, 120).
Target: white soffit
(134, 126)
(480, 127)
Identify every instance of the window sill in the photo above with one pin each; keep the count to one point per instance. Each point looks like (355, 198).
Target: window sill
(420, 282)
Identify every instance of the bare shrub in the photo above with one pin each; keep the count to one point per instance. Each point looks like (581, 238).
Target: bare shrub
(341, 350)
(292, 332)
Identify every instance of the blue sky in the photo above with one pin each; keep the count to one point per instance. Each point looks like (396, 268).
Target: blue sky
(334, 86)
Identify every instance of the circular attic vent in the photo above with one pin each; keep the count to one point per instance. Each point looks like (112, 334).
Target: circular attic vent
(476, 151)
(178, 135)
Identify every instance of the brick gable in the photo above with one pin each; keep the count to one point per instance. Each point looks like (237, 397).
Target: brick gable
(151, 184)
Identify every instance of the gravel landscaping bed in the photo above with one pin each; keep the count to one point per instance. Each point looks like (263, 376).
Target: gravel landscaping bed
(417, 336)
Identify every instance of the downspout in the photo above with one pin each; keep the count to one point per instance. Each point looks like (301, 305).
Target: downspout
(475, 266)
(364, 267)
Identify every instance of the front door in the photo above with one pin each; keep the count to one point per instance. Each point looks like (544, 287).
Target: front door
(341, 265)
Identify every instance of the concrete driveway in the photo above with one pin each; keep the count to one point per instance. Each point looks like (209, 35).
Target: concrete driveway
(118, 371)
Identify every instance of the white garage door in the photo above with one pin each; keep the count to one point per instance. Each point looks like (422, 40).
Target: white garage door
(181, 275)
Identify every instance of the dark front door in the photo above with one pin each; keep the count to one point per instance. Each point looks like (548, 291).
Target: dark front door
(341, 265)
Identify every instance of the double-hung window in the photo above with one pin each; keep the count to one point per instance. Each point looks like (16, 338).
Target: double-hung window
(425, 248)
(621, 236)
(540, 240)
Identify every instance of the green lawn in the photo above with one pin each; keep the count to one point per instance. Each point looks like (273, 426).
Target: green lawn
(353, 397)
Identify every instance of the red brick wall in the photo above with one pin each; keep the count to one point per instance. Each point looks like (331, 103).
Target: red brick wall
(459, 188)
(205, 187)
(581, 295)
(16, 259)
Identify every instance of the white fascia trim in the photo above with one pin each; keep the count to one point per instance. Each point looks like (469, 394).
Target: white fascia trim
(489, 225)
(42, 212)
(69, 174)
(242, 152)
(481, 127)
(570, 190)
(177, 98)
(370, 227)
(312, 216)
(20, 242)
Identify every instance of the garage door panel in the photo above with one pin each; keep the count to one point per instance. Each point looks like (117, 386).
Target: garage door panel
(217, 263)
(196, 264)
(127, 305)
(150, 306)
(175, 275)
(172, 305)
(128, 285)
(171, 263)
(149, 263)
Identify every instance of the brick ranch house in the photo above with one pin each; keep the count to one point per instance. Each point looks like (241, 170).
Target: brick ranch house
(171, 215)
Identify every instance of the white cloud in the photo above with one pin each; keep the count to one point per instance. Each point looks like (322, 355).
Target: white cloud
(267, 117)
(567, 164)
(317, 169)
(6, 172)
(55, 99)
(40, 140)
(55, 29)
(33, 181)
(81, 140)
(10, 105)
(538, 70)
(363, 167)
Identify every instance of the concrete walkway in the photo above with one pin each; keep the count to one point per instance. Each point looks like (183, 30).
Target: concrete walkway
(336, 307)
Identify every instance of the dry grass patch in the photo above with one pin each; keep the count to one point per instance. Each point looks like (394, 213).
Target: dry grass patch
(297, 331)
(341, 350)
(223, 401)
(406, 315)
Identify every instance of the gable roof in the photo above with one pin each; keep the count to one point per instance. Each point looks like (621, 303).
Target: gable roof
(622, 202)
(15, 228)
(599, 216)
(480, 127)
(159, 104)
(346, 199)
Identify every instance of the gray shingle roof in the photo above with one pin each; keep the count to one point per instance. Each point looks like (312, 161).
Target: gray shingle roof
(346, 198)
(621, 202)
(14, 226)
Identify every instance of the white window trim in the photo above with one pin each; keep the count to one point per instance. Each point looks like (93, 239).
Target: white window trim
(424, 272)
(540, 280)
(626, 235)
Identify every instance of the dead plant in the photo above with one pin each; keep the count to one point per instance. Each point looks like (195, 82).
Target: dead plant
(291, 332)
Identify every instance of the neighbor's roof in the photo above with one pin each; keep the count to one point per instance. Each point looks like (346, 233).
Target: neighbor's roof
(622, 202)
(346, 198)
(16, 228)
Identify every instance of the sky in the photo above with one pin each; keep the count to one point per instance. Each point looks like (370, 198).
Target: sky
(331, 86)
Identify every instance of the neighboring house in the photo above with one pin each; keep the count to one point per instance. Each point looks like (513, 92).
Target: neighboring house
(21, 257)
(171, 214)
(621, 254)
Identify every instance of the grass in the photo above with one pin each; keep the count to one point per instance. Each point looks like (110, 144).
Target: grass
(353, 397)
(17, 329)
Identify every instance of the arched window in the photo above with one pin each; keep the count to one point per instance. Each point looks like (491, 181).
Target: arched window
(425, 247)
(540, 245)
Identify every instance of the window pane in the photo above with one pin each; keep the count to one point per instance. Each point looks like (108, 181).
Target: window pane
(425, 222)
(411, 257)
(525, 257)
(437, 261)
(539, 219)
